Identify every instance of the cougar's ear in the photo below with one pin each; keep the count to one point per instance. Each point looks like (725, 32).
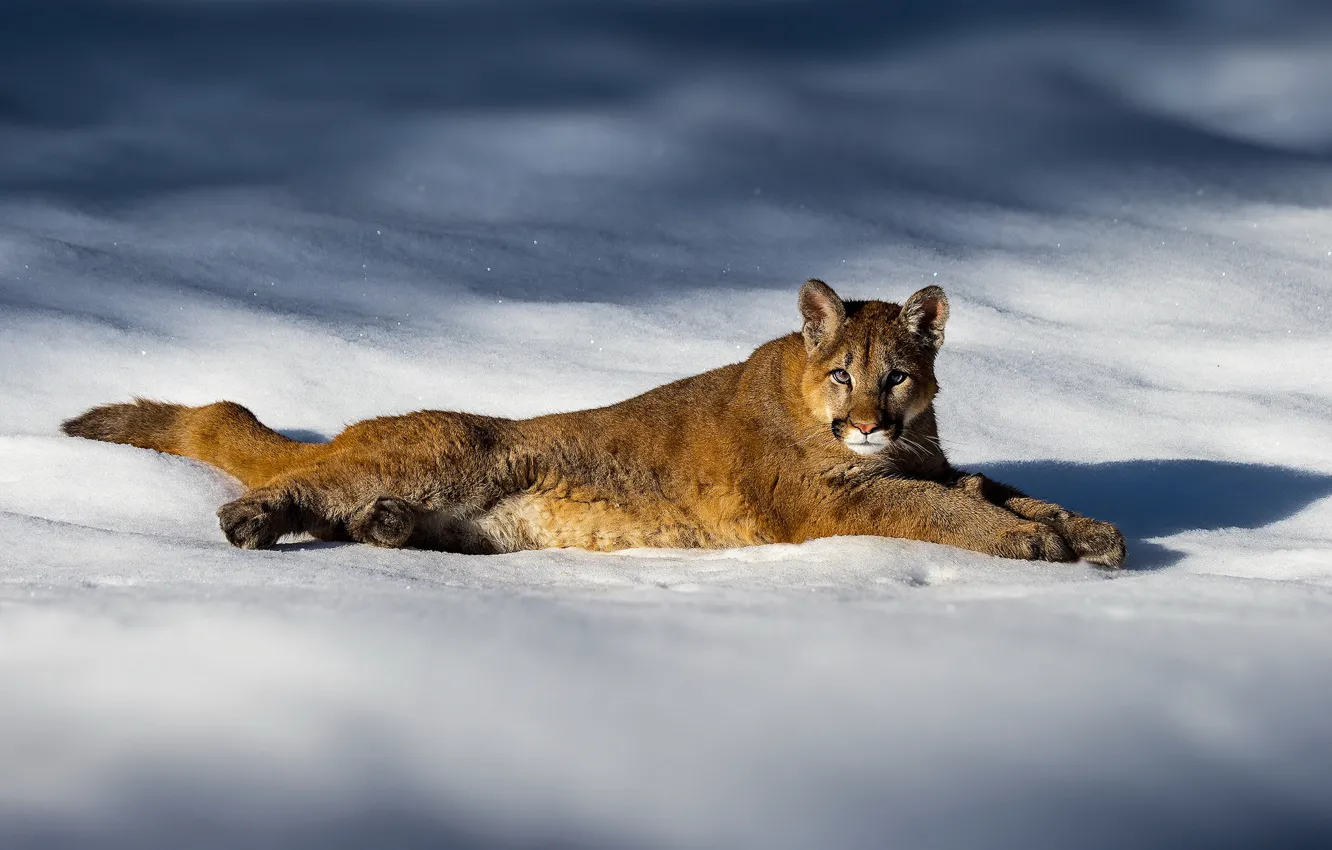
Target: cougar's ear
(925, 315)
(823, 312)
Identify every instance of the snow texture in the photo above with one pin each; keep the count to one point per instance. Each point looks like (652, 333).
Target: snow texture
(337, 211)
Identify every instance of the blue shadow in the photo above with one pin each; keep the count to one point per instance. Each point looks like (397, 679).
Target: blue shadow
(1156, 498)
(303, 435)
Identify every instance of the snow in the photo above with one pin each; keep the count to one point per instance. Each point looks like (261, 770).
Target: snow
(334, 213)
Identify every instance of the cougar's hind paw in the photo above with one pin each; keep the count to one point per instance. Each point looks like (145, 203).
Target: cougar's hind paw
(254, 522)
(386, 521)
(1095, 541)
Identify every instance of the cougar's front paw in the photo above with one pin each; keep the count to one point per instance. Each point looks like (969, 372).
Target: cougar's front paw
(255, 521)
(1034, 541)
(1093, 540)
(386, 521)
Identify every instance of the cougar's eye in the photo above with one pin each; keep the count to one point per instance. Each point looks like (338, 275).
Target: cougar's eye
(896, 377)
(841, 376)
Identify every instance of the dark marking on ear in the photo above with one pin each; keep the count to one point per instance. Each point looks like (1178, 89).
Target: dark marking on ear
(822, 311)
(925, 313)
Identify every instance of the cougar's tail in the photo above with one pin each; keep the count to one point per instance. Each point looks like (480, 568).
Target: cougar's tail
(223, 434)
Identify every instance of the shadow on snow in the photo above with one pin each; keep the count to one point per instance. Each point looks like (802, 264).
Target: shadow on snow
(1157, 498)
(105, 105)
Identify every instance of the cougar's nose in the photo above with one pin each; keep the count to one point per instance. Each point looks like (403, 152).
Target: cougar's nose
(864, 427)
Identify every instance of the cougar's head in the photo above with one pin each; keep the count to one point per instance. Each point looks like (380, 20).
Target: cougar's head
(869, 366)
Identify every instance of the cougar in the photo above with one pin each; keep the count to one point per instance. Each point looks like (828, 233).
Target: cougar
(827, 431)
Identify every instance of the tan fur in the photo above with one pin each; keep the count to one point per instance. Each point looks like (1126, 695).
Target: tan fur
(756, 452)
